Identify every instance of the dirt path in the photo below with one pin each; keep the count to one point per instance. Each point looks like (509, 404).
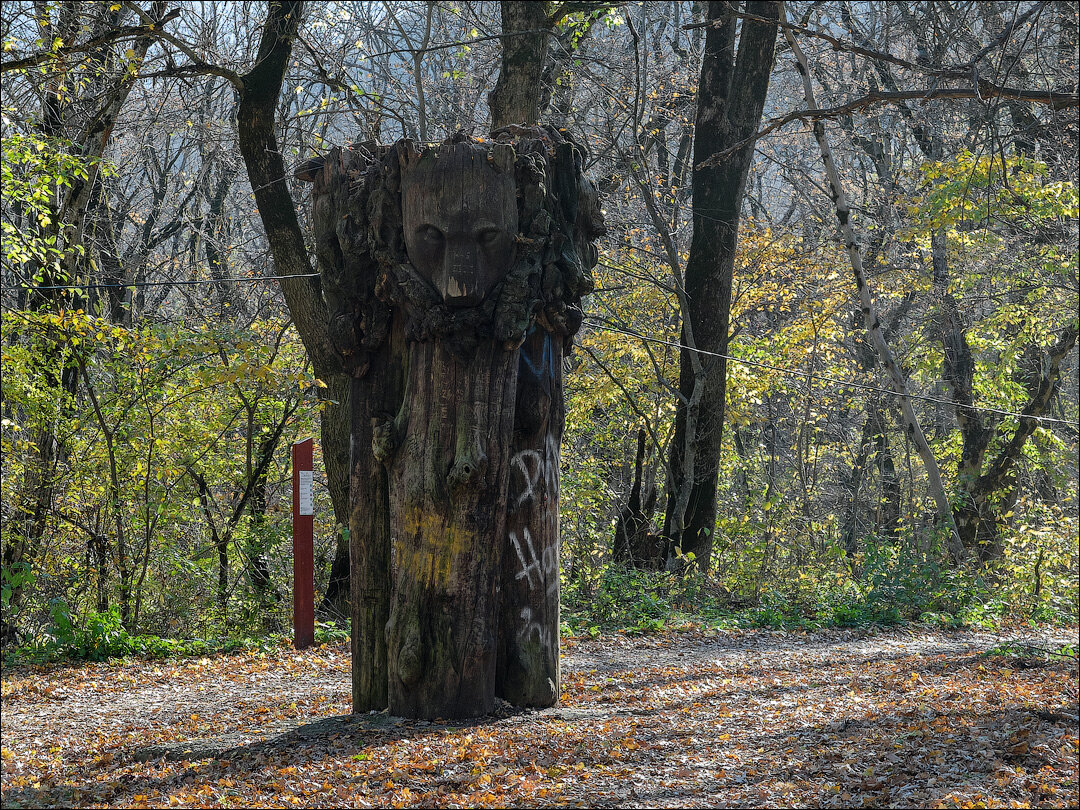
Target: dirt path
(682, 719)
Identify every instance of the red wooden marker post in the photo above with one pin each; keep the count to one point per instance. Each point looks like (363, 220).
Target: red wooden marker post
(303, 551)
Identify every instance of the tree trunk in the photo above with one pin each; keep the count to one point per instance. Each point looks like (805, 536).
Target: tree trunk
(448, 493)
(261, 88)
(374, 396)
(517, 93)
(453, 436)
(731, 97)
(437, 265)
(527, 671)
(262, 585)
(634, 545)
(334, 430)
(528, 661)
(985, 498)
(528, 664)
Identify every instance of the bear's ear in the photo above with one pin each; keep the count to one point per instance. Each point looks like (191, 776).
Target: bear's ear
(307, 170)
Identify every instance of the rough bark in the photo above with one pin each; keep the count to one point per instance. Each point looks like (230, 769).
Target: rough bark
(448, 470)
(528, 663)
(731, 97)
(528, 668)
(445, 519)
(517, 93)
(567, 222)
(528, 659)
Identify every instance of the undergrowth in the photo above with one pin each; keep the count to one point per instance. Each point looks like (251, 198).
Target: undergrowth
(101, 636)
(637, 601)
(888, 592)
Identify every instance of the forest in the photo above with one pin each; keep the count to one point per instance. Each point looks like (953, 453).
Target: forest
(821, 383)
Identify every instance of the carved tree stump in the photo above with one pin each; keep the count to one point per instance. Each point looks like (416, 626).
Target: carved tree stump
(453, 275)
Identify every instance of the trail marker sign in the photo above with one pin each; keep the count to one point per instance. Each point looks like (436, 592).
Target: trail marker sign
(303, 546)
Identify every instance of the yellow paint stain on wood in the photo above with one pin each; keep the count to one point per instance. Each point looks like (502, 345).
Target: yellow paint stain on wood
(431, 545)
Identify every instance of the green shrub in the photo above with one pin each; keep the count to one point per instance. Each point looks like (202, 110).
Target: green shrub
(100, 636)
(330, 633)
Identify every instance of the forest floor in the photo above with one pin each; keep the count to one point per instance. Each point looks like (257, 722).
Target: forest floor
(686, 718)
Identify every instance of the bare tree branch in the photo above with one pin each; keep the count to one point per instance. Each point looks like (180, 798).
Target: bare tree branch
(985, 91)
(115, 35)
(198, 65)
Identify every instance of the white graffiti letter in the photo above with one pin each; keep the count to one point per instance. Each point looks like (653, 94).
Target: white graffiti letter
(530, 564)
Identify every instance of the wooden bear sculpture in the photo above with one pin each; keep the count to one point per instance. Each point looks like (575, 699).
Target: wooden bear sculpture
(453, 274)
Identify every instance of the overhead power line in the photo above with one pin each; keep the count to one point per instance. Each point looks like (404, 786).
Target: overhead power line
(811, 375)
(808, 375)
(181, 282)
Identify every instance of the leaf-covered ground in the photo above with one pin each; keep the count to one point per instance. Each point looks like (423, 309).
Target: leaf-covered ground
(688, 718)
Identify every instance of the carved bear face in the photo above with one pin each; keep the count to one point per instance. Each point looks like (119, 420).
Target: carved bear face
(460, 218)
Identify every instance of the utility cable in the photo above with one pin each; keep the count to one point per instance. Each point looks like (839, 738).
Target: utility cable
(137, 284)
(811, 375)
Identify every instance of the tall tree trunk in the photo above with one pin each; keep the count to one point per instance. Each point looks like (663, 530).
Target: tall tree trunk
(428, 311)
(260, 89)
(374, 397)
(731, 97)
(528, 667)
(525, 34)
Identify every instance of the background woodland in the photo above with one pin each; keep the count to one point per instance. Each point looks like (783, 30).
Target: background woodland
(164, 337)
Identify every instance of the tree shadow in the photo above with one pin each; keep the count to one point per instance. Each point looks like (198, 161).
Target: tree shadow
(246, 752)
(234, 754)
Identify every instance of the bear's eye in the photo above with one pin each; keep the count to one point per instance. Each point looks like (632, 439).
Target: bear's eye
(488, 236)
